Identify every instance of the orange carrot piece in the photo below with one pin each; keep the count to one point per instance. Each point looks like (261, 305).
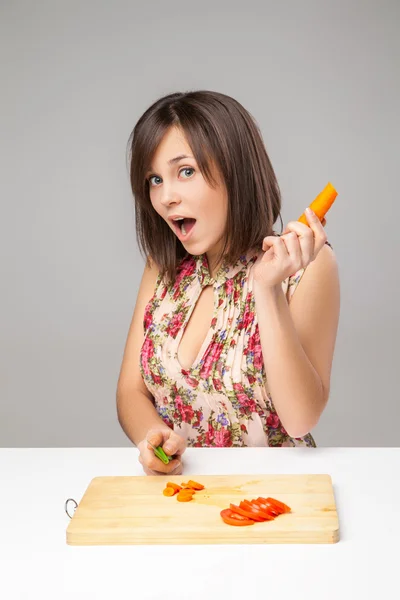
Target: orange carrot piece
(169, 491)
(174, 486)
(321, 204)
(194, 485)
(186, 492)
(184, 497)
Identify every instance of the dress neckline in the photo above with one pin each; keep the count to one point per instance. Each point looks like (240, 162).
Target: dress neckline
(225, 272)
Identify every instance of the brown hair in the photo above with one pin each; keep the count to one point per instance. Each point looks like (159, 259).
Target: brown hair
(216, 126)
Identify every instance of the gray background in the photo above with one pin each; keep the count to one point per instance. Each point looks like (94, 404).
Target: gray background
(322, 80)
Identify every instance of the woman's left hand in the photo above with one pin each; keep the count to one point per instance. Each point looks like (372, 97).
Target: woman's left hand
(294, 249)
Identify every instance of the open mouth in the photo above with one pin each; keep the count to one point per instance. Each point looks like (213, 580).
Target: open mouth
(184, 226)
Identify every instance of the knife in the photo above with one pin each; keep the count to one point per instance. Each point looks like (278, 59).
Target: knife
(159, 452)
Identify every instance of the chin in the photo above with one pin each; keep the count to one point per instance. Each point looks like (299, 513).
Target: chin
(195, 249)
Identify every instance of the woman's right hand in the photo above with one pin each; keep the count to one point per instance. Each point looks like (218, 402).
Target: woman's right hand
(172, 444)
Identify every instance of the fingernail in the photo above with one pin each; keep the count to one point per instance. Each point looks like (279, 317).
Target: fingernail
(309, 211)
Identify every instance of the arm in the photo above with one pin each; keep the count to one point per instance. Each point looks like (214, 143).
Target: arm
(135, 408)
(137, 415)
(298, 341)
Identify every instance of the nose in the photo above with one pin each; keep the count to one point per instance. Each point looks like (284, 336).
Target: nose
(169, 195)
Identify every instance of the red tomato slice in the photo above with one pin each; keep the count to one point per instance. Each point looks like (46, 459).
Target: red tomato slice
(232, 518)
(265, 514)
(272, 509)
(251, 511)
(263, 511)
(243, 512)
(280, 505)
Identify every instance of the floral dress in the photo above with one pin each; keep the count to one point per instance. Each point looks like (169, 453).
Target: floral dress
(223, 399)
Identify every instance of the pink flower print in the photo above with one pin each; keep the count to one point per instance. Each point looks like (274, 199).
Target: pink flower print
(210, 435)
(178, 400)
(238, 387)
(229, 286)
(156, 378)
(175, 324)
(223, 438)
(254, 345)
(187, 413)
(248, 316)
(185, 270)
(147, 354)
(246, 402)
(199, 418)
(217, 384)
(192, 381)
(164, 292)
(273, 420)
(148, 317)
(212, 355)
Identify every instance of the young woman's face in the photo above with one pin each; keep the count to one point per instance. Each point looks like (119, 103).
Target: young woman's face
(179, 189)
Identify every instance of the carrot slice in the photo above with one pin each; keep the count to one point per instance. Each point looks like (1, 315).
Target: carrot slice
(185, 492)
(321, 204)
(194, 485)
(174, 486)
(169, 491)
(184, 497)
(187, 486)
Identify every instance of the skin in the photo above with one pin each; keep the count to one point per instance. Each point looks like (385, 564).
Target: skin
(180, 188)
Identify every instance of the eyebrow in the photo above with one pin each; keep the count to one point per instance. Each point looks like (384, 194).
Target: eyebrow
(172, 161)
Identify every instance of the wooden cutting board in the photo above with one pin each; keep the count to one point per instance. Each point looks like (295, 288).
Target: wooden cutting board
(133, 510)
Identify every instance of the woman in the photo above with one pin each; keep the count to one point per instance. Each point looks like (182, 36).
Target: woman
(220, 352)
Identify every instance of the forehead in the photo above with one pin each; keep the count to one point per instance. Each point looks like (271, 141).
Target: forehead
(173, 144)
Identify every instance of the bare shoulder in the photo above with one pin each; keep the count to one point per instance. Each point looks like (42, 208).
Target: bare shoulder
(130, 377)
(319, 282)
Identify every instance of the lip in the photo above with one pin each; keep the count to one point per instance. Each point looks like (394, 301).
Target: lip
(172, 217)
(181, 237)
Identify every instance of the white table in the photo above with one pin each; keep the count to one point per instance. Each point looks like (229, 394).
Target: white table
(36, 562)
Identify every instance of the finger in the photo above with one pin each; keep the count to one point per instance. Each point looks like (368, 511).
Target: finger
(155, 464)
(276, 245)
(323, 222)
(155, 437)
(292, 242)
(311, 239)
(175, 445)
(177, 471)
(317, 228)
(148, 471)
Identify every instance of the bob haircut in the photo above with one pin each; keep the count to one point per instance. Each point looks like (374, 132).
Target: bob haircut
(221, 134)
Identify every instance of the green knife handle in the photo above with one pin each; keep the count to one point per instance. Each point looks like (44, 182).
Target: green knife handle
(159, 452)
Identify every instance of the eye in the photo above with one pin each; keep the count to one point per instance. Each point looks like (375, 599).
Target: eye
(187, 169)
(157, 177)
